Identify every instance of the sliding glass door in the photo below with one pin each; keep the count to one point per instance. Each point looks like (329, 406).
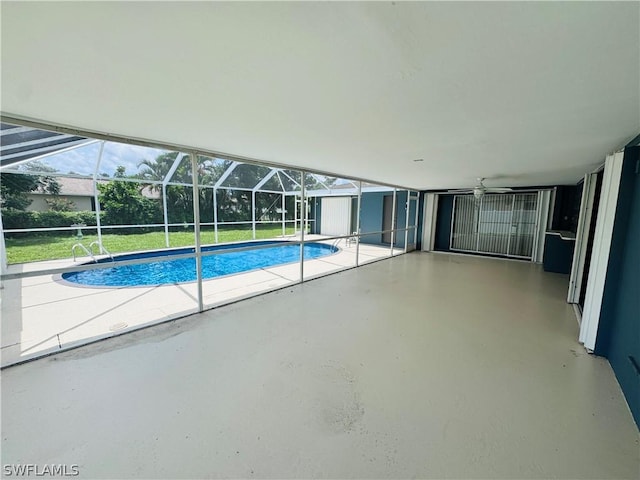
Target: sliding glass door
(496, 224)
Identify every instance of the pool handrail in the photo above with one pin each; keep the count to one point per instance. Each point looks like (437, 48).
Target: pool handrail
(101, 248)
(80, 245)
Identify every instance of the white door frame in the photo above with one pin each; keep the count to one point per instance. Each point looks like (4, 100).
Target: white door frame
(410, 240)
(3, 251)
(585, 219)
(542, 218)
(429, 216)
(601, 249)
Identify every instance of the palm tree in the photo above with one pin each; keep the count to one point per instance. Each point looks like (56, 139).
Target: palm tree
(156, 170)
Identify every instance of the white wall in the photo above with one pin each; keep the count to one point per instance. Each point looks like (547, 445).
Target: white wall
(39, 204)
(335, 218)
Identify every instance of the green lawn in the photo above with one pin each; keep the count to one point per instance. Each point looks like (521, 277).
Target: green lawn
(37, 248)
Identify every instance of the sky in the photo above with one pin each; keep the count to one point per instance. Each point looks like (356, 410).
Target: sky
(82, 160)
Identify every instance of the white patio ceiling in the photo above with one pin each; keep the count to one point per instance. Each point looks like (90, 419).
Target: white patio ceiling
(34, 151)
(521, 93)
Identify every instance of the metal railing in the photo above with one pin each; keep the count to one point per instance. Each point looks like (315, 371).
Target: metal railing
(101, 249)
(84, 249)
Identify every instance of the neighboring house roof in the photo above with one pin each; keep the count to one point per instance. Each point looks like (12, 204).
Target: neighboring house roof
(83, 187)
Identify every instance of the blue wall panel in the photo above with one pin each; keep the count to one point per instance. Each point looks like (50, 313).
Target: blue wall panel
(443, 223)
(619, 327)
(372, 211)
(371, 215)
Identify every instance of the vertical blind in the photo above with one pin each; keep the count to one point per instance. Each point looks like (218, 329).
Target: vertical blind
(500, 224)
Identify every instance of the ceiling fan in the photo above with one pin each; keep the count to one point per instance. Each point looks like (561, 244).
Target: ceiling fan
(479, 190)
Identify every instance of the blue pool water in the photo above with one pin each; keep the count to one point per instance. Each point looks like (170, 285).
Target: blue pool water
(184, 269)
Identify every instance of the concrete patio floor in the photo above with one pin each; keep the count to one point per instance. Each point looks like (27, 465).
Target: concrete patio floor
(421, 366)
(42, 315)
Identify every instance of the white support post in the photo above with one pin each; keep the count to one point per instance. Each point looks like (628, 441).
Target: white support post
(215, 213)
(165, 215)
(303, 214)
(253, 213)
(295, 214)
(3, 250)
(536, 228)
(415, 220)
(196, 227)
(358, 223)
(545, 197)
(478, 224)
(406, 221)
(284, 226)
(96, 197)
(393, 221)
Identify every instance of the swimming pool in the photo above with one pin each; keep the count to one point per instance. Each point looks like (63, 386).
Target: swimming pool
(184, 269)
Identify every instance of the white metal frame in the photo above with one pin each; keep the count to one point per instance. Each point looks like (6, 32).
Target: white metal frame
(585, 220)
(410, 246)
(601, 249)
(3, 250)
(96, 197)
(196, 228)
(542, 219)
(303, 219)
(429, 217)
(393, 221)
(358, 213)
(198, 254)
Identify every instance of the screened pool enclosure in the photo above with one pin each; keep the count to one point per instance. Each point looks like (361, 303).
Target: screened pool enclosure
(74, 204)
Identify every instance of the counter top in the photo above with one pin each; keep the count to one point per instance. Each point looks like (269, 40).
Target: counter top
(563, 234)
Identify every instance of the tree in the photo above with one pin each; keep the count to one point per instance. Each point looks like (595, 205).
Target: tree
(122, 203)
(233, 204)
(15, 187)
(180, 197)
(157, 170)
(48, 184)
